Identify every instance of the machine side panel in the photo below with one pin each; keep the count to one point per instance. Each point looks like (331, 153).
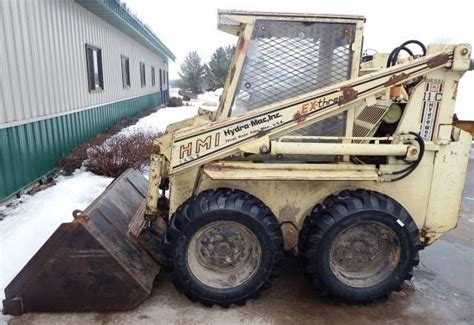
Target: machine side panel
(449, 175)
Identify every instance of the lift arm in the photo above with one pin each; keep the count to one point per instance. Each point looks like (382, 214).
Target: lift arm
(251, 131)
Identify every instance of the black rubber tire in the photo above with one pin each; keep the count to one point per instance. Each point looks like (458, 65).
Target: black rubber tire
(310, 221)
(337, 213)
(215, 205)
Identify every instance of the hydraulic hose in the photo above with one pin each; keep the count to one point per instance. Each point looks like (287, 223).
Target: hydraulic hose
(392, 58)
(408, 170)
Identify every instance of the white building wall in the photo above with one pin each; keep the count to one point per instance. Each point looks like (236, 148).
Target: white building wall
(43, 67)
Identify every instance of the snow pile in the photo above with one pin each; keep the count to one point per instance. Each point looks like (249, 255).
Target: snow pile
(174, 92)
(158, 121)
(211, 96)
(27, 226)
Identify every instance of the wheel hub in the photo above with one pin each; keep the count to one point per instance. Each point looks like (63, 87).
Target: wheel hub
(224, 254)
(222, 246)
(364, 254)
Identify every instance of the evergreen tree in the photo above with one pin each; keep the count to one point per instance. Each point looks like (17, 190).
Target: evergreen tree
(218, 66)
(192, 73)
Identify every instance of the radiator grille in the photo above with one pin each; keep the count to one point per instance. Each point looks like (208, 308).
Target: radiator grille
(366, 122)
(372, 114)
(360, 131)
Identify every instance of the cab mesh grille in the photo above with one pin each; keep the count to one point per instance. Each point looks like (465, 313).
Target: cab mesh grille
(287, 58)
(290, 58)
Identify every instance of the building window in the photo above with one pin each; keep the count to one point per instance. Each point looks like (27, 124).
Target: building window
(161, 80)
(142, 74)
(125, 72)
(153, 81)
(94, 68)
(167, 80)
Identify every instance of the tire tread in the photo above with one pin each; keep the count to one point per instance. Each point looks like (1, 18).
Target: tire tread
(228, 199)
(337, 207)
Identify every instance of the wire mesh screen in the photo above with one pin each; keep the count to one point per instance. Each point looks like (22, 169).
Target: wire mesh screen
(290, 58)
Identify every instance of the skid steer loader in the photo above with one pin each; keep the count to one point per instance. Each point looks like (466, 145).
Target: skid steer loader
(347, 159)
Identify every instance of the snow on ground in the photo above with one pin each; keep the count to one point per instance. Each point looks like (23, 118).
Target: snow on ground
(212, 96)
(28, 225)
(158, 121)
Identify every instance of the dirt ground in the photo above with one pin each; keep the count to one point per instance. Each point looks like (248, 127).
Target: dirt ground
(442, 292)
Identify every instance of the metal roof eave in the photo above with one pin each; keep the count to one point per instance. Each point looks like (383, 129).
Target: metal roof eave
(118, 16)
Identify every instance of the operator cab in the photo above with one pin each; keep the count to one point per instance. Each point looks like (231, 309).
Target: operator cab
(290, 55)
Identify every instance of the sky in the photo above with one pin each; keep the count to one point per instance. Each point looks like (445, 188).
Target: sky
(192, 25)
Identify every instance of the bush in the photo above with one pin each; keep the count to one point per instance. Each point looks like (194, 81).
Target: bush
(120, 152)
(69, 163)
(175, 102)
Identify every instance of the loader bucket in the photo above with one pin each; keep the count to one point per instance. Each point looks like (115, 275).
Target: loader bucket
(94, 262)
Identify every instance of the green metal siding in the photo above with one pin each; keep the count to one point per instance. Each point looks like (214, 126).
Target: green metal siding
(29, 151)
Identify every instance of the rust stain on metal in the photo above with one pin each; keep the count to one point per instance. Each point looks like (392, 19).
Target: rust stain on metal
(290, 235)
(348, 95)
(242, 44)
(156, 148)
(218, 166)
(299, 118)
(438, 60)
(262, 133)
(455, 89)
(426, 236)
(232, 73)
(288, 212)
(395, 79)
(79, 214)
(346, 32)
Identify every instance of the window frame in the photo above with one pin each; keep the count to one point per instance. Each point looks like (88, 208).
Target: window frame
(153, 76)
(91, 82)
(142, 74)
(126, 77)
(161, 80)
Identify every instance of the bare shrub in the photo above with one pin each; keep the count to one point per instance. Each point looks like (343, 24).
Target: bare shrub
(120, 152)
(69, 163)
(175, 102)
